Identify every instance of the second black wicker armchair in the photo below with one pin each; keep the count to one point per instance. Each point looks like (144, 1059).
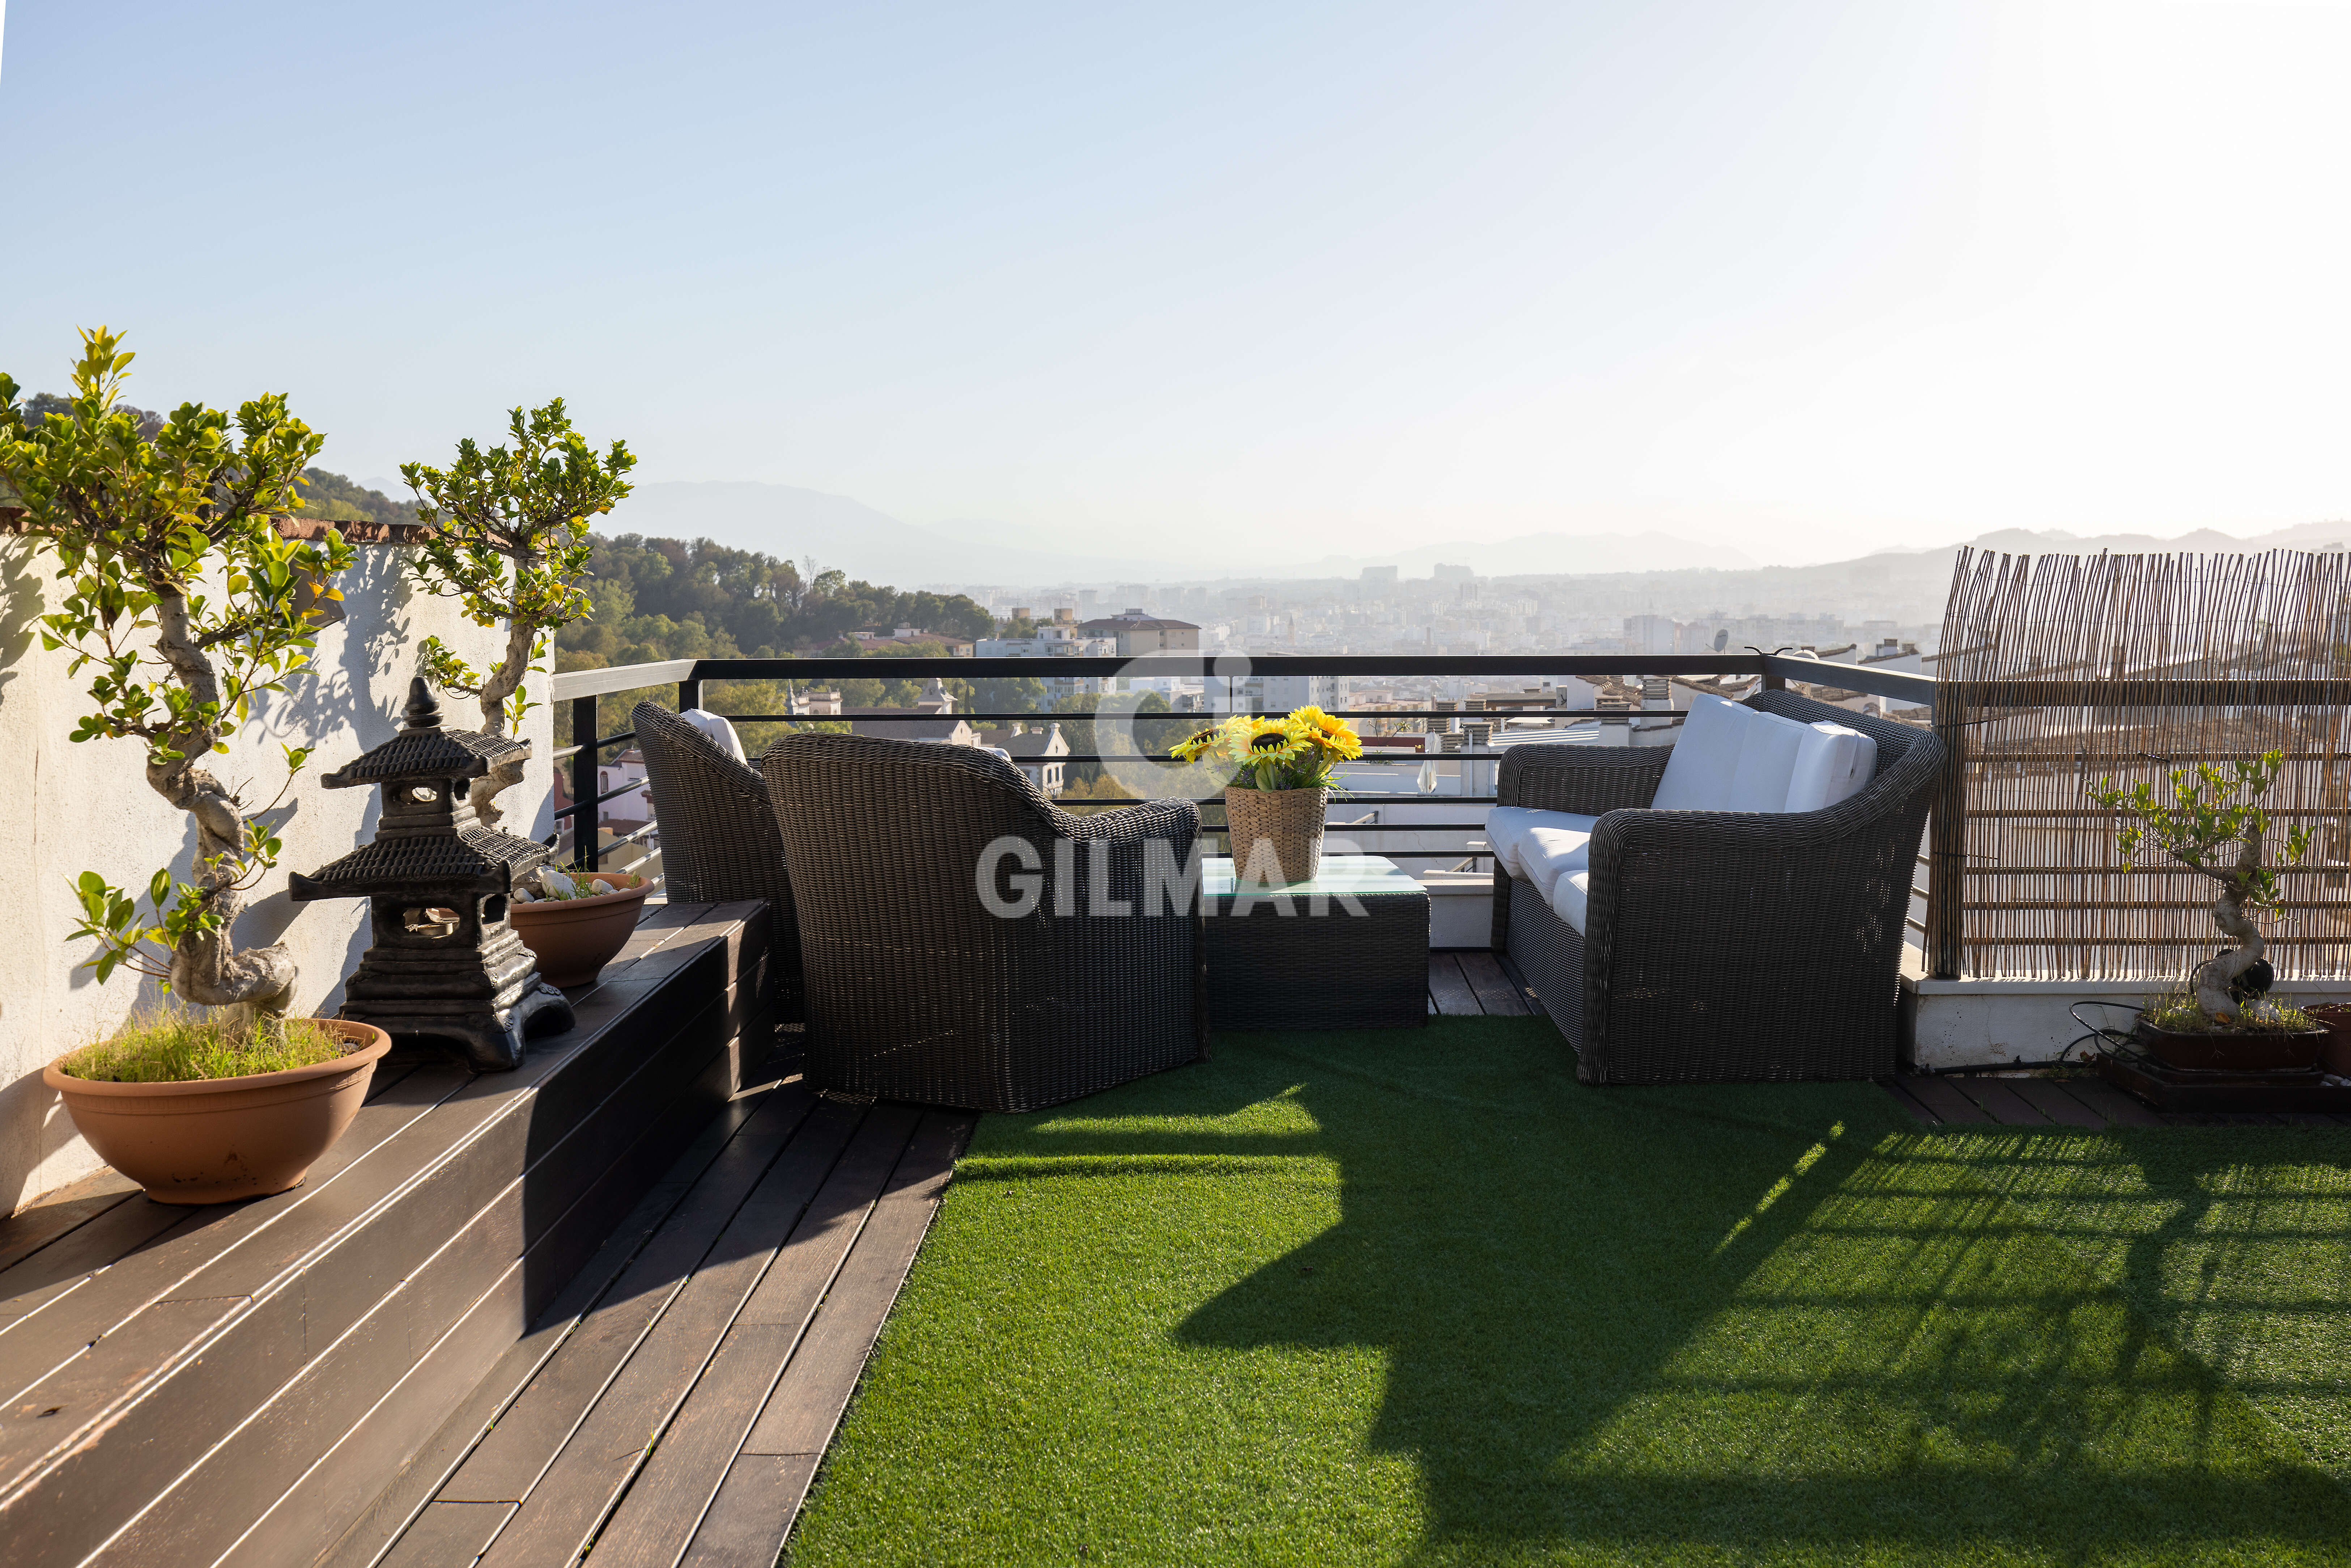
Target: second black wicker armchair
(718, 836)
(968, 943)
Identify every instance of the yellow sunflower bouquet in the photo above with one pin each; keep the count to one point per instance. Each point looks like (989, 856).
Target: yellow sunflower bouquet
(1295, 752)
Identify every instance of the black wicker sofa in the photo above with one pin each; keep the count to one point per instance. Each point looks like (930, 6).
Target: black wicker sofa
(1694, 946)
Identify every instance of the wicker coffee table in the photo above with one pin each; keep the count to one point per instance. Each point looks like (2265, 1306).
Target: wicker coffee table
(1348, 950)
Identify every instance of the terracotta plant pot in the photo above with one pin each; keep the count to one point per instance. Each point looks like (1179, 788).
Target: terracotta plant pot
(1287, 821)
(217, 1140)
(2248, 1052)
(575, 938)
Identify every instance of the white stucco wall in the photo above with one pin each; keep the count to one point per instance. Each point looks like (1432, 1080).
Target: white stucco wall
(71, 809)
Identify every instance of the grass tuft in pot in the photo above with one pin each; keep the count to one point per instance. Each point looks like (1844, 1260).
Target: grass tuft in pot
(183, 1045)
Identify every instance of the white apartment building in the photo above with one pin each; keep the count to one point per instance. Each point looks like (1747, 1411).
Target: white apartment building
(1057, 640)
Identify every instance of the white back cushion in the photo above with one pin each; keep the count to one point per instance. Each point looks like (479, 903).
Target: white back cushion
(1767, 763)
(1832, 765)
(721, 733)
(1705, 759)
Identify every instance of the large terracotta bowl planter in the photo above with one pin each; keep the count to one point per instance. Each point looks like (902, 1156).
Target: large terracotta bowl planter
(217, 1140)
(575, 938)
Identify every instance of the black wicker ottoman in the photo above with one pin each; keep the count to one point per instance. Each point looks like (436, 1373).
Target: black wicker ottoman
(1348, 950)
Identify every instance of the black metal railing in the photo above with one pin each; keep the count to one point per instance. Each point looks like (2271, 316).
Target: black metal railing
(686, 678)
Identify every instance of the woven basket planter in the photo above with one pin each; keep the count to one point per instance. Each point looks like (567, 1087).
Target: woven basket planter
(1289, 820)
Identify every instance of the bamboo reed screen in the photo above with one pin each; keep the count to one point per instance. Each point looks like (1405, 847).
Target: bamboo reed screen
(2058, 672)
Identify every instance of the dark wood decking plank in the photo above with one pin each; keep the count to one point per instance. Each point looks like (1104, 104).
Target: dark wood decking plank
(753, 1511)
(806, 1407)
(501, 1388)
(657, 1517)
(84, 1317)
(2049, 1097)
(588, 1475)
(54, 1214)
(449, 1534)
(529, 1433)
(1495, 993)
(1451, 988)
(1946, 1101)
(2111, 1103)
(2003, 1105)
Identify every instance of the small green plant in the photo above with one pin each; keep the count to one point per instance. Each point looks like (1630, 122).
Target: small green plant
(2178, 1011)
(181, 1045)
(186, 604)
(2209, 811)
(510, 546)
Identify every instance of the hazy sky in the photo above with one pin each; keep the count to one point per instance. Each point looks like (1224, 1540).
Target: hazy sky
(1809, 277)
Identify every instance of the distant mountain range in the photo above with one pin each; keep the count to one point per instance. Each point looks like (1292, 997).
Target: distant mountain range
(864, 542)
(840, 531)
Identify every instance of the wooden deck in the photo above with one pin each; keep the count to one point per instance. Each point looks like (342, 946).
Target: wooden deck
(1474, 984)
(673, 1405)
(234, 1384)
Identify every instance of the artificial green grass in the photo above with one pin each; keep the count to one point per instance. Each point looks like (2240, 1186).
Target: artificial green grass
(1416, 1297)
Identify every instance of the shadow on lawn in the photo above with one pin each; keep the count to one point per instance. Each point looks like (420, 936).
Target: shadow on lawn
(1742, 1317)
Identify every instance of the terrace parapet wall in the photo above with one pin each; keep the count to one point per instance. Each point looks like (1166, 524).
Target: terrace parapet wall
(77, 807)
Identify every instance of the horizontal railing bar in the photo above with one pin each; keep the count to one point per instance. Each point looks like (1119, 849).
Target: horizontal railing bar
(1174, 715)
(561, 811)
(2049, 813)
(2087, 871)
(607, 740)
(569, 684)
(2201, 907)
(1237, 667)
(2140, 691)
(1977, 944)
(1919, 690)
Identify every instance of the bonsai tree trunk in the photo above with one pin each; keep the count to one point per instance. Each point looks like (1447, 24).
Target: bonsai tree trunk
(502, 682)
(2216, 974)
(206, 966)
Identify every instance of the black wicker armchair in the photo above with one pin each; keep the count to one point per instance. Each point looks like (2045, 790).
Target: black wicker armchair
(1717, 945)
(718, 836)
(968, 943)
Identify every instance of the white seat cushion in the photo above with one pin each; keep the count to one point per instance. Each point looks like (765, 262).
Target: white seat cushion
(1767, 763)
(721, 733)
(1698, 774)
(1569, 895)
(1552, 852)
(1523, 839)
(1833, 764)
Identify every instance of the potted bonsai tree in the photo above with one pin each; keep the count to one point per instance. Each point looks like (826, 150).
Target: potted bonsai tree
(185, 603)
(1281, 773)
(510, 545)
(2212, 821)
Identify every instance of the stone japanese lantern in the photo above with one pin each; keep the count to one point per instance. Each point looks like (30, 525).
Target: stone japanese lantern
(446, 963)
